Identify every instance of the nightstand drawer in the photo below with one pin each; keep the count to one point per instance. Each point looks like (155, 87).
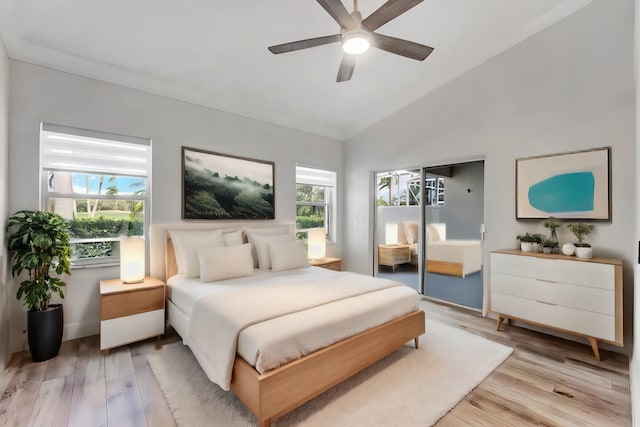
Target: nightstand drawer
(128, 303)
(333, 265)
(128, 329)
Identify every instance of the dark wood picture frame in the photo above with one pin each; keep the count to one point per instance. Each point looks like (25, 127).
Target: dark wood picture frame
(574, 186)
(223, 186)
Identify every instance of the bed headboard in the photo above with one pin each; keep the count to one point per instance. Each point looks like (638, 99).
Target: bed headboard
(162, 259)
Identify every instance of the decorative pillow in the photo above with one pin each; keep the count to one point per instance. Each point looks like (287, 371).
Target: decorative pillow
(225, 262)
(186, 244)
(410, 231)
(261, 244)
(233, 238)
(288, 255)
(251, 231)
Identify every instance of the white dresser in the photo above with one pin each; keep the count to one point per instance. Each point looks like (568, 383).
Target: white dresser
(568, 294)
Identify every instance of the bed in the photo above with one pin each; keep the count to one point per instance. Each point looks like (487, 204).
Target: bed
(455, 257)
(272, 386)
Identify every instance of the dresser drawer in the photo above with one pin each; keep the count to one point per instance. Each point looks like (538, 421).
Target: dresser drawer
(567, 295)
(581, 273)
(568, 319)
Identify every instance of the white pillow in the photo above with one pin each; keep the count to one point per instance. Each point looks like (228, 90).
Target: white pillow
(233, 238)
(186, 244)
(270, 231)
(226, 262)
(288, 255)
(410, 231)
(261, 244)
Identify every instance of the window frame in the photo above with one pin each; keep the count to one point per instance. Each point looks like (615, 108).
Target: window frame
(330, 196)
(46, 195)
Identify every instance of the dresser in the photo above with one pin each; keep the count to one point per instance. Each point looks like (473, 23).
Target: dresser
(130, 312)
(573, 295)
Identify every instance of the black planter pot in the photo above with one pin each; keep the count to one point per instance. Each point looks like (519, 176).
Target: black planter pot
(44, 329)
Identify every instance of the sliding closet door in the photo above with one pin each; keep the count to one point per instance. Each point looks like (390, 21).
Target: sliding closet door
(397, 223)
(453, 206)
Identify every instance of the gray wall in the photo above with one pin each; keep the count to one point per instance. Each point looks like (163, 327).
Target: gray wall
(570, 87)
(462, 211)
(4, 196)
(41, 94)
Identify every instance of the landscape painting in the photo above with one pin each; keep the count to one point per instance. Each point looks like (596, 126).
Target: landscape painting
(222, 186)
(572, 186)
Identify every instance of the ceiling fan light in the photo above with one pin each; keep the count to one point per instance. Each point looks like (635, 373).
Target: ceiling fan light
(355, 43)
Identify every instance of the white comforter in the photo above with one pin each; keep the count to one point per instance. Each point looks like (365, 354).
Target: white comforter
(216, 322)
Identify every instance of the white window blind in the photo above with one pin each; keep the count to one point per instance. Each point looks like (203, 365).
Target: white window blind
(76, 150)
(311, 176)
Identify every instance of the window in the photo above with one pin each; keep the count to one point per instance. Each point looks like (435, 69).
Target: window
(99, 182)
(434, 191)
(315, 201)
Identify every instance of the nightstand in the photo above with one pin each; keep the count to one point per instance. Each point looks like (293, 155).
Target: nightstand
(130, 312)
(393, 255)
(328, 263)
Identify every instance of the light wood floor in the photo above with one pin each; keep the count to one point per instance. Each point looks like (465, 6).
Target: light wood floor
(546, 381)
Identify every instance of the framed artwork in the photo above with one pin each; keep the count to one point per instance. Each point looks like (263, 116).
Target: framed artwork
(221, 186)
(573, 186)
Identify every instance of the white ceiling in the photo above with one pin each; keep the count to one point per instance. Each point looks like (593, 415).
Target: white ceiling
(214, 53)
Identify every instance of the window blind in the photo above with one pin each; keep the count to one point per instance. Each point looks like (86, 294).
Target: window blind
(311, 176)
(76, 150)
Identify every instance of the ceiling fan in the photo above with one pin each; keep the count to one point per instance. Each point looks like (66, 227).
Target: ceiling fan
(358, 34)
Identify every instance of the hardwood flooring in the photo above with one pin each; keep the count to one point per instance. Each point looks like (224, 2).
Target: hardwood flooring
(547, 381)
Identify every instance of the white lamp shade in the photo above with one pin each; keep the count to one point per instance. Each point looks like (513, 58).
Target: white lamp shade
(132, 259)
(316, 243)
(391, 234)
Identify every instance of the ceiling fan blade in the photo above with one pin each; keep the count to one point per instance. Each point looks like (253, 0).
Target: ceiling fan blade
(401, 47)
(346, 68)
(304, 44)
(336, 9)
(388, 11)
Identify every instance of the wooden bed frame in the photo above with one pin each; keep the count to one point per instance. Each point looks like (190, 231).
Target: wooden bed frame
(276, 392)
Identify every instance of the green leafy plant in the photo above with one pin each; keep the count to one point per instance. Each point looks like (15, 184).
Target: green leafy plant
(581, 230)
(549, 243)
(39, 244)
(530, 238)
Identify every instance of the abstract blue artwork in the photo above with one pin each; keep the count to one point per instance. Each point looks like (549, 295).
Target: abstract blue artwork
(568, 192)
(568, 185)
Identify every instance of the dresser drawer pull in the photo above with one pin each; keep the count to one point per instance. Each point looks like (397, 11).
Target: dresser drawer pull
(546, 281)
(547, 303)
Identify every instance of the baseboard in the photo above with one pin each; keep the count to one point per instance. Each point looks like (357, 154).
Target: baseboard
(73, 331)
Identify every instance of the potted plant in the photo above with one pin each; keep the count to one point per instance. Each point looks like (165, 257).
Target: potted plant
(582, 230)
(529, 241)
(552, 224)
(548, 245)
(39, 245)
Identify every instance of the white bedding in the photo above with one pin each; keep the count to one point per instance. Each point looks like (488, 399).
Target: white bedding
(311, 308)
(466, 252)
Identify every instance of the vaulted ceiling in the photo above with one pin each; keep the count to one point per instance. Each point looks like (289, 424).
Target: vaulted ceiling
(214, 53)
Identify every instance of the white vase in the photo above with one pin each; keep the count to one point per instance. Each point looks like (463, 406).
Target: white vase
(527, 246)
(584, 252)
(546, 250)
(568, 249)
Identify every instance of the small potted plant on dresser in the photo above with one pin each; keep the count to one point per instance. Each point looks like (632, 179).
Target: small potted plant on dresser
(529, 241)
(39, 244)
(548, 245)
(582, 230)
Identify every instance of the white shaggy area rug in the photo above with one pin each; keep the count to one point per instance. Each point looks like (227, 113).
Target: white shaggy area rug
(408, 388)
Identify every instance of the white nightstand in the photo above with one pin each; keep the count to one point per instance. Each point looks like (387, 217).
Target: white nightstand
(130, 312)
